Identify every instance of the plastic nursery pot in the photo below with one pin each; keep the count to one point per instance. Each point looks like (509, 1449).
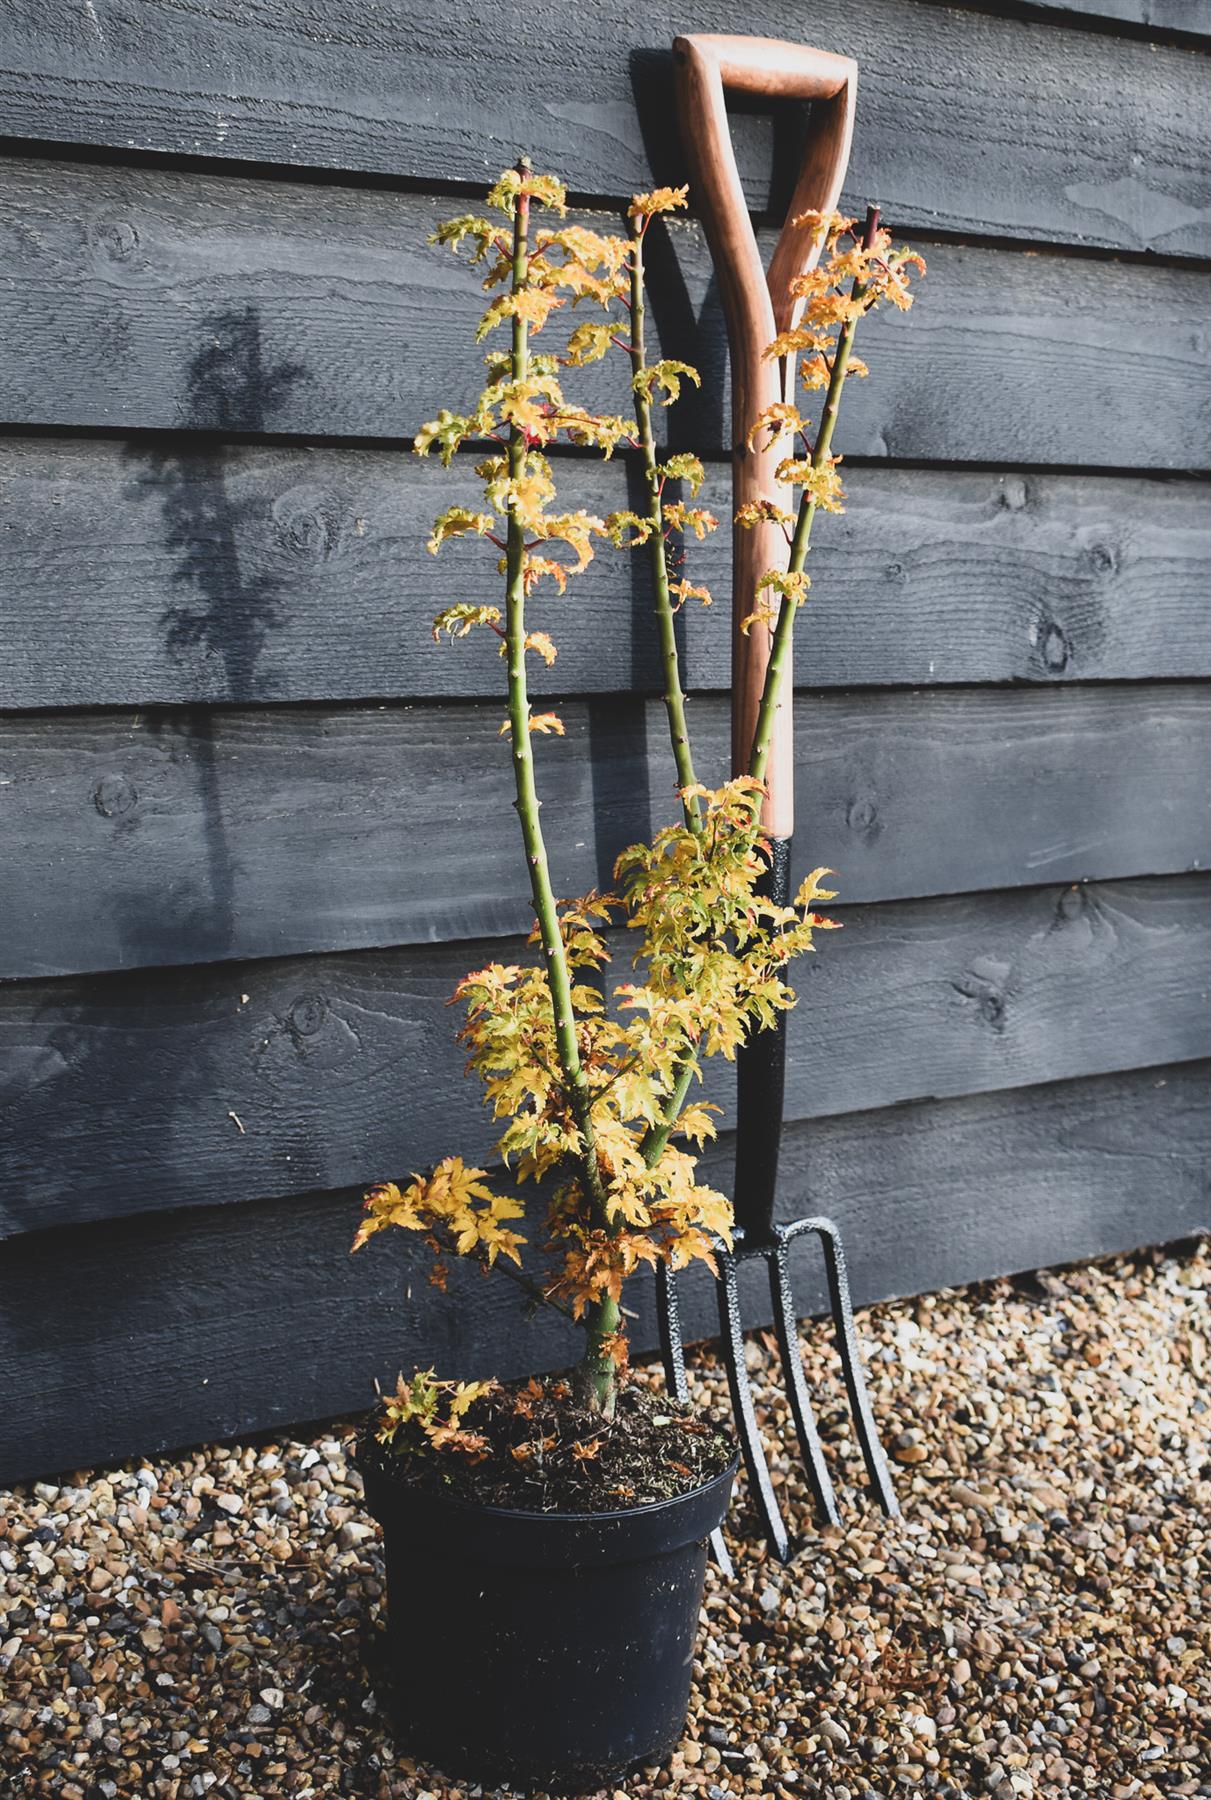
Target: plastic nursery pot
(545, 1650)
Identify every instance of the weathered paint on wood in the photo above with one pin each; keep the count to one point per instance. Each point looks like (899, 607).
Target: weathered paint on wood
(213, 1085)
(1186, 19)
(221, 1321)
(145, 572)
(949, 110)
(214, 1100)
(186, 837)
(172, 300)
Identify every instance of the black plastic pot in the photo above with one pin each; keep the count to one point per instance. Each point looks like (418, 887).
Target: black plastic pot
(542, 1649)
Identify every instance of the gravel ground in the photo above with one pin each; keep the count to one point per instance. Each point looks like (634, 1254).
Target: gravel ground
(1036, 1624)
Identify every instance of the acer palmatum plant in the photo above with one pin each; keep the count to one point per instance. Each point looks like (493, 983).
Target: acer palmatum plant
(593, 1088)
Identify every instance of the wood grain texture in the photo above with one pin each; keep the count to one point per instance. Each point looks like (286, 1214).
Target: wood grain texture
(957, 111)
(182, 1138)
(162, 299)
(1189, 18)
(137, 1093)
(136, 1336)
(194, 573)
(140, 841)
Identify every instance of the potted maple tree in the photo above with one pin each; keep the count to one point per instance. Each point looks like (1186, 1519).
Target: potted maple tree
(546, 1540)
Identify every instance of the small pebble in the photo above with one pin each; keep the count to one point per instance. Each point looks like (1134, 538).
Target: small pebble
(1033, 1627)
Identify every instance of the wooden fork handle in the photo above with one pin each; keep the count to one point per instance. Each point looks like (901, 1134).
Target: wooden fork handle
(757, 306)
(757, 65)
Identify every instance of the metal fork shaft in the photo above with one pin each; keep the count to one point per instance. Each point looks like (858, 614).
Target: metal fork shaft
(672, 1354)
(731, 1331)
(786, 1327)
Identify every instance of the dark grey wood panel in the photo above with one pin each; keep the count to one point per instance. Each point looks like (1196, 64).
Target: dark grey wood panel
(132, 1337)
(149, 298)
(1190, 18)
(137, 574)
(192, 1087)
(945, 132)
(137, 841)
(978, 993)
(212, 1101)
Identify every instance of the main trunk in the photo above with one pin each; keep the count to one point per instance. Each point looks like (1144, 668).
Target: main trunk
(597, 1379)
(597, 1372)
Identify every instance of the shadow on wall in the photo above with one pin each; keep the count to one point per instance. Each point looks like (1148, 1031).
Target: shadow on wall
(84, 1073)
(226, 615)
(770, 135)
(699, 337)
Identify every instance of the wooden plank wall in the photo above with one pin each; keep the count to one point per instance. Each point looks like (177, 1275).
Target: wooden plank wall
(254, 821)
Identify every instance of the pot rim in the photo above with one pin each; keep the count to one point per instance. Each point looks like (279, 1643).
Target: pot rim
(650, 1509)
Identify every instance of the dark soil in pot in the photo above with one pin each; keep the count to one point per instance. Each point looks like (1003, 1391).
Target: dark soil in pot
(541, 1625)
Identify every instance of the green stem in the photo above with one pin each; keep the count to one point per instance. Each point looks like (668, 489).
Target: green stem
(657, 1136)
(800, 543)
(527, 803)
(674, 696)
(596, 1376)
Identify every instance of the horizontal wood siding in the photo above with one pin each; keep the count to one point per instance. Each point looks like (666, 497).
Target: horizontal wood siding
(143, 572)
(255, 822)
(142, 298)
(225, 1320)
(1182, 19)
(210, 1085)
(967, 121)
(181, 837)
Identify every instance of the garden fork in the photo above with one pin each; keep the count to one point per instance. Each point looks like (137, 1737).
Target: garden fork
(757, 307)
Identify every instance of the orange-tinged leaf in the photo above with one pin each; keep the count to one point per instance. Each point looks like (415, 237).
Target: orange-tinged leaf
(541, 644)
(660, 200)
(686, 590)
(779, 417)
(458, 620)
(763, 512)
(764, 614)
(546, 723)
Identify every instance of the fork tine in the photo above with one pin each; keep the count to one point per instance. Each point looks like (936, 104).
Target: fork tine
(851, 1359)
(672, 1353)
(731, 1331)
(787, 1329)
(668, 1318)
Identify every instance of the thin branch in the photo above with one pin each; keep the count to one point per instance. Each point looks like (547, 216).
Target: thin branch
(674, 696)
(531, 1288)
(527, 803)
(784, 628)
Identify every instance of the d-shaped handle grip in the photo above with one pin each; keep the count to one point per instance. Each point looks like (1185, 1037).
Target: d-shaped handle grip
(757, 306)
